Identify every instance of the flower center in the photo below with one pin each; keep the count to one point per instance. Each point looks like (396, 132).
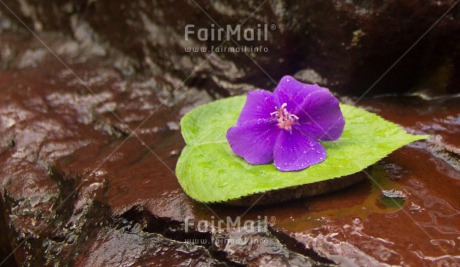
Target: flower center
(284, 118)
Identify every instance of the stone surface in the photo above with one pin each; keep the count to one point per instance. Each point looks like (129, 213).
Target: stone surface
(345, 45)
(89, 145)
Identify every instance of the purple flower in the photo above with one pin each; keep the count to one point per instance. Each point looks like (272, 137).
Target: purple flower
(285, 126)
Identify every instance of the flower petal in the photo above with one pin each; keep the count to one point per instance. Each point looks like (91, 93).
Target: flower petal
(320, 116)
(259, 105)
(254, 141)
(293, 92)
(294, 151)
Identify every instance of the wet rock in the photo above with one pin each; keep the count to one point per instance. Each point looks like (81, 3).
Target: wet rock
(345, 45)
(254, 245)
(415, 208)
(357, 42)
(392, 193)
(446, 151)
(437, 117)
(129, 245)
(50, 214)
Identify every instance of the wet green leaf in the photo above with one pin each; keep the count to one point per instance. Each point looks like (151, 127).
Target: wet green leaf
(208, 171)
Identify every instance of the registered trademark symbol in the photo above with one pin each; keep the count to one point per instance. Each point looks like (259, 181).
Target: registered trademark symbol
(273, 27)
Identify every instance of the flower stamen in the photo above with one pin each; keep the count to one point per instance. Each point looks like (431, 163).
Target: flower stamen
(284, 118)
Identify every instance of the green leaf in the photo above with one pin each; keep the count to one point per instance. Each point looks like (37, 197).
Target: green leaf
(209, 171)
